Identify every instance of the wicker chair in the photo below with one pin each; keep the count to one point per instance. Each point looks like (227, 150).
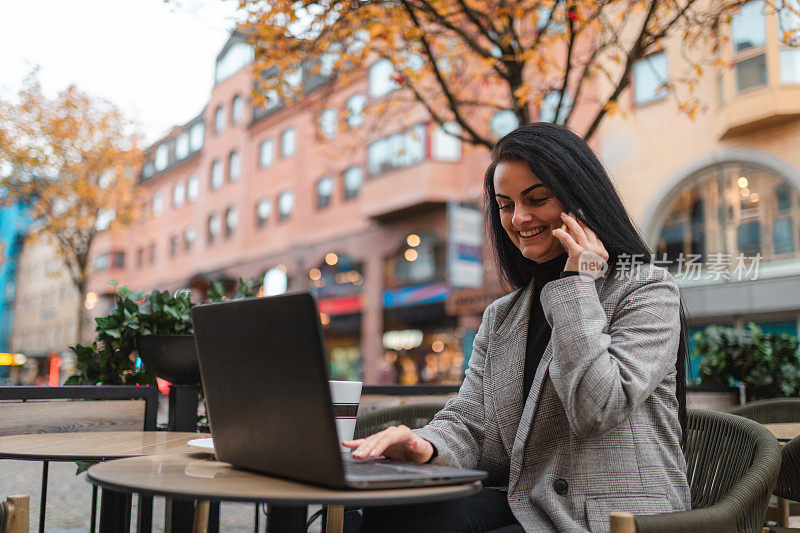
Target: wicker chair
(772, 411)
(413, 415)
(732, 467)
(788, 486)
(776, 411)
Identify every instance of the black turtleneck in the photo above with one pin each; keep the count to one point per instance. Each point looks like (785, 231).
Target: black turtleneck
(538, 328)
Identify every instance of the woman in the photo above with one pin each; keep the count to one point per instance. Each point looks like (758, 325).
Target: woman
(574, 400)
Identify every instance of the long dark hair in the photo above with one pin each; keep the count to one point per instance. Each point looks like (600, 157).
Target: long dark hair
(568, 167)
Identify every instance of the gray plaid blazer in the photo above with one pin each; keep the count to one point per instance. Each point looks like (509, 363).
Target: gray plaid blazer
(599, 431)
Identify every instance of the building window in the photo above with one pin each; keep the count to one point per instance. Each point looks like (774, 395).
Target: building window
(152, 253)
(285, 204)
(271, 100)
(217, 177)
(329, 122)
(189, 236)
(231, 221)
(747, 26)
(266, 153)
(327, 63)
(174, 240)
(288, 142)
(158, 203)
(214, 227)
(503, 123)
(236, 57)
(444, 146)
(353, 178)
(380, 78)
(234, 166)
(237, 109)
(324, 192)
(219, 120)
(147, 170)
(790, 66)
(748, 34)
(193, 188)
(182, 146)
(649, 76)
(178, 194)
(396, 151)
(139, 257)
(783, 236)
(162, 157)
(355, 110)
(263, 212)
(109, 260)
(751, 73)
(196, 135)
(731, 209)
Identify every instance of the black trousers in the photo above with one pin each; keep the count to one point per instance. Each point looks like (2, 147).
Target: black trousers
(487, 511)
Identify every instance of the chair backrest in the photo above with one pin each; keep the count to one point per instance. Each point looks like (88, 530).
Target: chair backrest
(731, 460)
(772, 411)
(788, 485)
(68, 409)
(414, 415)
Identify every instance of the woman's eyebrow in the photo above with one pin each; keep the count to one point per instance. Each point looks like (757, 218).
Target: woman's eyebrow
(523, 193)
(532, 187)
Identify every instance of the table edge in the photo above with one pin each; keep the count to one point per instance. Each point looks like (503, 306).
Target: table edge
(467, 489)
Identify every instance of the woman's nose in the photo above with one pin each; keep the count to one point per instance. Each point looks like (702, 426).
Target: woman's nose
(521, 216)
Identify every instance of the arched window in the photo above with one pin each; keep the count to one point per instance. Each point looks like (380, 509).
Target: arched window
(730, 209)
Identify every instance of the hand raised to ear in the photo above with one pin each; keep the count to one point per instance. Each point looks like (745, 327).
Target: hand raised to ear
(587, 254)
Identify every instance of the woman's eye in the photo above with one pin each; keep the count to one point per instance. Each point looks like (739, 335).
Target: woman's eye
(504, 207)
(539, 201)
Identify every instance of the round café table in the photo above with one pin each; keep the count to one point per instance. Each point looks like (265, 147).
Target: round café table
(784, 432)
(93, 447)
(200, 477)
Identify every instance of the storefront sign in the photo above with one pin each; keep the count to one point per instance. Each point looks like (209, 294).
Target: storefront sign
(340, 306)
(464, 245)
(419, 294)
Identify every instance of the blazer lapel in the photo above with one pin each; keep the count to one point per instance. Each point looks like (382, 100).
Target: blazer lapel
(525, 425)
(507, 363)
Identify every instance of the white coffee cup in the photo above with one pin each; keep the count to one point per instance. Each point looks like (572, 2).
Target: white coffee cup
(345, 395)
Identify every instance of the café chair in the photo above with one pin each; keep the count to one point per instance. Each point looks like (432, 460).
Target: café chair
(771, 411)
(413, 415)
(774, 411)
(788, 486)
(69, 409)
(14, 516)
(732, 467)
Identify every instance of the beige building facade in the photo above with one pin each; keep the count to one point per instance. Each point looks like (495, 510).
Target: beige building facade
(722, 189)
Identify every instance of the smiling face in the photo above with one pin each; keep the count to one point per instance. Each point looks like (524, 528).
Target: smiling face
(528, 211)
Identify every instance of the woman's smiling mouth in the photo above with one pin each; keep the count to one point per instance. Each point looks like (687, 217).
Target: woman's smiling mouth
(532, 232)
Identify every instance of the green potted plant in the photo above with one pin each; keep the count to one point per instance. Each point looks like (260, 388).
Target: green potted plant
(768, 364)
(158, 327)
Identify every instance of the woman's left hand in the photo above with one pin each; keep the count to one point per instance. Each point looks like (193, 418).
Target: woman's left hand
(587, 254)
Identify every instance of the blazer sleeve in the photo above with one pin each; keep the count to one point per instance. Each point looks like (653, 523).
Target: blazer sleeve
(602, 377)
(457, 431)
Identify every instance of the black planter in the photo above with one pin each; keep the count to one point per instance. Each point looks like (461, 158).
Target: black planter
(170, 357)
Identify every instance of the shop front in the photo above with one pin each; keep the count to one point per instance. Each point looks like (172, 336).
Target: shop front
(337, 282)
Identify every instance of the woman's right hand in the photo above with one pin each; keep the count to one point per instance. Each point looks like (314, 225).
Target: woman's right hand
(395, 442)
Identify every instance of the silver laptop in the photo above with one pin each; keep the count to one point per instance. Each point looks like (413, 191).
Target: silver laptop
(265, 379)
